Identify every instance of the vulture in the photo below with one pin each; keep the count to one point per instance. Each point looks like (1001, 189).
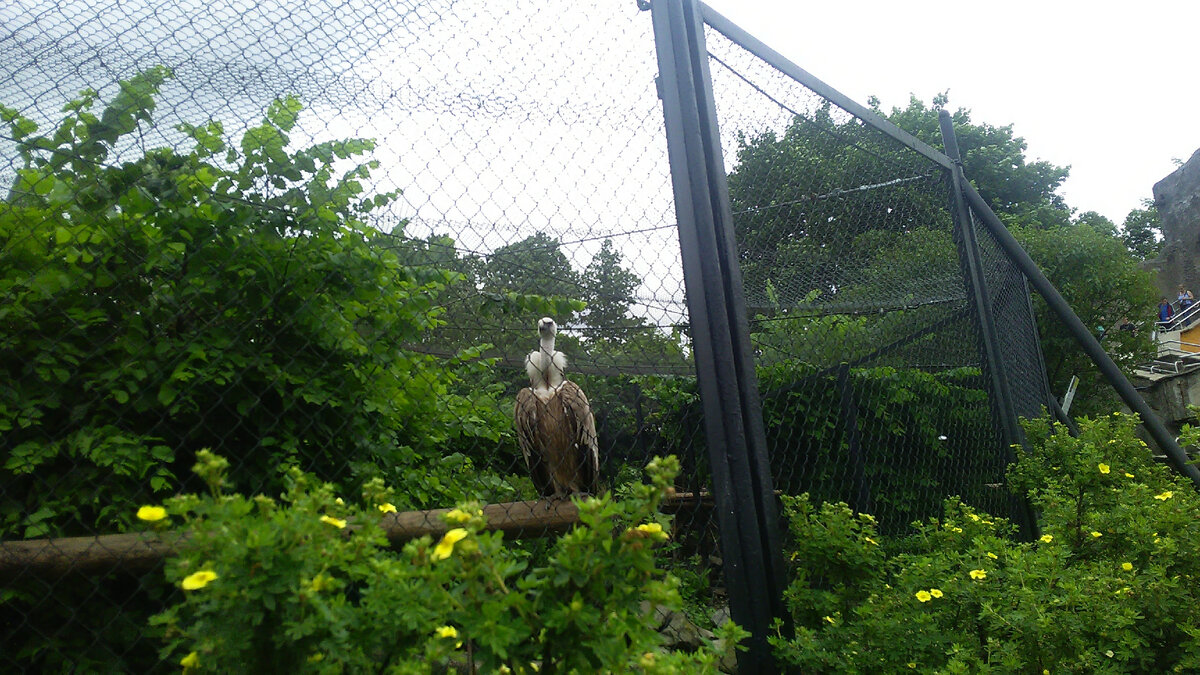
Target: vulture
(554, 422)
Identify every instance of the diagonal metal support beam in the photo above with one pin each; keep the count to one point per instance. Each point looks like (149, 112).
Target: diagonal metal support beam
(1154, 426)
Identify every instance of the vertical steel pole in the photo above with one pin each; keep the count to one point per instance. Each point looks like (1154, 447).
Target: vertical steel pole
(980, 302)
(742, 489)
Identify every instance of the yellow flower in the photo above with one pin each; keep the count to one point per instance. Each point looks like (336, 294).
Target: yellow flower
(458, 516)
(336, 522)
(190, 661)
(151, 513)
(912, 664)
(829, 619)
(1103, 467)
(1128, 567)
(923, 596)
(647, 659)
(978, 574)
(1164, 496)
(870, 541)
(339, 502)
(956, 529)
(993, 556)
(449, 632)
(1047, 538)
(316, 658)
(1128, 475)
(973, 517)
(446, 546)
(935, 592)
(653, 530)
(1096, 534)
(197, 580)
(387, 508)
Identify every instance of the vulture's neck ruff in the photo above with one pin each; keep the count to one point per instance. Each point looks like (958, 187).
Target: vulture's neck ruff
(545, 367)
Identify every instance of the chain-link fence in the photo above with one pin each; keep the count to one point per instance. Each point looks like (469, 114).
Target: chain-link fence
(869, 348)
(317, 234)
(322, 234)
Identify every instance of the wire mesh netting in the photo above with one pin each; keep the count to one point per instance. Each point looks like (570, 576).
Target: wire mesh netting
(1020, 349)
(316, 234)
(321, 235)
(870, 362)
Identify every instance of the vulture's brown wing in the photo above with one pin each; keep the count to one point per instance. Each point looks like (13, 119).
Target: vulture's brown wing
(578, 409)
(525, 419)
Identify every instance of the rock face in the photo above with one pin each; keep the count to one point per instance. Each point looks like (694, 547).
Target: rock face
(1177, 198)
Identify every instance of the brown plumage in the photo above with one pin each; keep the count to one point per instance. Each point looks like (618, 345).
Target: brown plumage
(555, 426)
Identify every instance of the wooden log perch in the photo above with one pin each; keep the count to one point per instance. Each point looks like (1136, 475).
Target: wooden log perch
(521, 519)
(135, 551)
(99, 554)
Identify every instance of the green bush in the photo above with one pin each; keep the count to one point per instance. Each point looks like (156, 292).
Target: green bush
(309, 585)
(228, 296)
(1109, 587)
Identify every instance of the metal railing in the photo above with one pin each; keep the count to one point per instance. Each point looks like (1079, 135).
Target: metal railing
(1182, 319)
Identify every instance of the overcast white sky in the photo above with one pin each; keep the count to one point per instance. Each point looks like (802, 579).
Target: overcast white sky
(1111, 89)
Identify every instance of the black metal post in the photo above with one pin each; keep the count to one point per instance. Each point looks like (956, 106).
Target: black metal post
(742, 489)
(980, 304)
(1058, 305)
(1062, 416)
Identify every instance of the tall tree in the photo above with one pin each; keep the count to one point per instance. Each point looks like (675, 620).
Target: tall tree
(1142, 231)
(993, 160)
(833, 218)
(534, 265)
(609, 287)
(1106, 287)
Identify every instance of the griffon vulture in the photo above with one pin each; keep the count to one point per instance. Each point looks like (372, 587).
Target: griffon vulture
(554, 423)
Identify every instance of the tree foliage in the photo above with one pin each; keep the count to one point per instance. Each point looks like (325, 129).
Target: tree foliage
(1142, 231)
(833, 219)
(1105, 287)
(993, 160)
(226, 296)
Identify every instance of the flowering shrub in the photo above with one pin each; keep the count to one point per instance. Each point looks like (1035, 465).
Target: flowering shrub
(309, 585)
(1110, 585)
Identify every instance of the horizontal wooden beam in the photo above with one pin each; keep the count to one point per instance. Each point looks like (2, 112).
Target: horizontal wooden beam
(135, 551)
(100, 554)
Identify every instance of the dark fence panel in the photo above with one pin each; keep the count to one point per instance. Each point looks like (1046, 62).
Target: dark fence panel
(870, 364)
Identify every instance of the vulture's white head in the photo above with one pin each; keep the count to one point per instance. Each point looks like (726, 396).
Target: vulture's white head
(546, 366)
